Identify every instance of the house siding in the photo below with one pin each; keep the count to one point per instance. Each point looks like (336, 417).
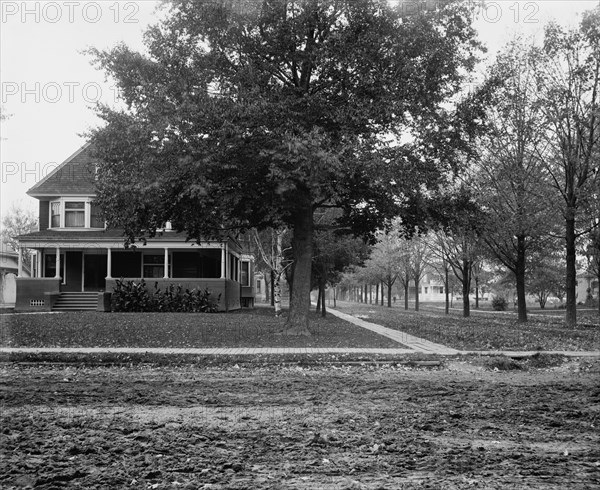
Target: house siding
(44, 218)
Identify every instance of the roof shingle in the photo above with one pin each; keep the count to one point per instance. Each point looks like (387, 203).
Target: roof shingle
(75, 176)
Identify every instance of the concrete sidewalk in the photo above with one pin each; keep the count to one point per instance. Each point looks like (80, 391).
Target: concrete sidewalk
(415, 344)
(217, 351)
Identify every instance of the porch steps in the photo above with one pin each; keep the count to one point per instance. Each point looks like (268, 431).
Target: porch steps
(76, 301)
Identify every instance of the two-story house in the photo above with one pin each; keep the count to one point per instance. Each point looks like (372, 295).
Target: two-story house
(76, 259)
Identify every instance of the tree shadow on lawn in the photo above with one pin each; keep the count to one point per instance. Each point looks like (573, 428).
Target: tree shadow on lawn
(244, 328)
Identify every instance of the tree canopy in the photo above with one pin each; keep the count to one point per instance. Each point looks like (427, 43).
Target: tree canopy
(258, 113)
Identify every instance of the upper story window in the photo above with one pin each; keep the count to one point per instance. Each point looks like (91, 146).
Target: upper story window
(75, 213)
(96, 220)
(55, 215)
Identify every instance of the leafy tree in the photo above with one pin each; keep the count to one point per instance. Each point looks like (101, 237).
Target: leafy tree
(569, 95)
(440, 264)
(259, 113)
(460, 244)
(545, 281)
(333, 253)
(17, 222)
(419, 257)
(405, 275)
(385, 262)
(510, 181)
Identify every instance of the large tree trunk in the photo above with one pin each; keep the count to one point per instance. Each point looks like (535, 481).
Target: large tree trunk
(382, 294)
(571, 285)
(377, 293)
(406, 289)
(302, 242)
(520, 278)
(389, 294)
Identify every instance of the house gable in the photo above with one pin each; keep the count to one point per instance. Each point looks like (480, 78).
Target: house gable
(75, 176)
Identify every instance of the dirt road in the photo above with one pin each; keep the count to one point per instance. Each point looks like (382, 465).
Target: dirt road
(372, 427)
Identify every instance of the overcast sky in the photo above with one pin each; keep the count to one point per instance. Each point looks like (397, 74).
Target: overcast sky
(49, 87)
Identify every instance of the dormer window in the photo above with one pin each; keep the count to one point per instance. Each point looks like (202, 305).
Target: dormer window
(75, 213)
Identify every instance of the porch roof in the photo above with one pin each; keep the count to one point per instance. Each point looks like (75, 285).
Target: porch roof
(112, 238)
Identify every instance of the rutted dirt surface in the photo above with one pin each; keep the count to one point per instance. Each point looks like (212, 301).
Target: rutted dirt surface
(371, 427)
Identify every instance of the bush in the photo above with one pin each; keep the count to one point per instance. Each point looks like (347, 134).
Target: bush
(134, 296)
(499, 303)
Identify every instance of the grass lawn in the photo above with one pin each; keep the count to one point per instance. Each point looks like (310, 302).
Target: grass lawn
(245, 328)
(484, 331)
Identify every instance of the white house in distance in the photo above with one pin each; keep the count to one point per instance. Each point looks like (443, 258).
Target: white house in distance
(76, 259)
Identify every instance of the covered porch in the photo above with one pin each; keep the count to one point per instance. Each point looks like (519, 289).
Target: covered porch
(65, 267)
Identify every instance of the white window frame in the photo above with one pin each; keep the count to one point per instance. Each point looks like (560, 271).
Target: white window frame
(87, 210)
(76, 210)
(247, 283)
(52, 215)
(162, 264)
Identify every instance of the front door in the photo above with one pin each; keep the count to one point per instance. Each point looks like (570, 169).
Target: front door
(72, 281)
(94, 272)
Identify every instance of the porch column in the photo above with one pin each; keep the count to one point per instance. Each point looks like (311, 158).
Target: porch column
(166, 274)
(57, 274)
(227, 262)
(40, 272)
(20, 261)
(223, 261)
(109, 263)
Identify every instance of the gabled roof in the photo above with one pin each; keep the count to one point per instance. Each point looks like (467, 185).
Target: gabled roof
(75, 176)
